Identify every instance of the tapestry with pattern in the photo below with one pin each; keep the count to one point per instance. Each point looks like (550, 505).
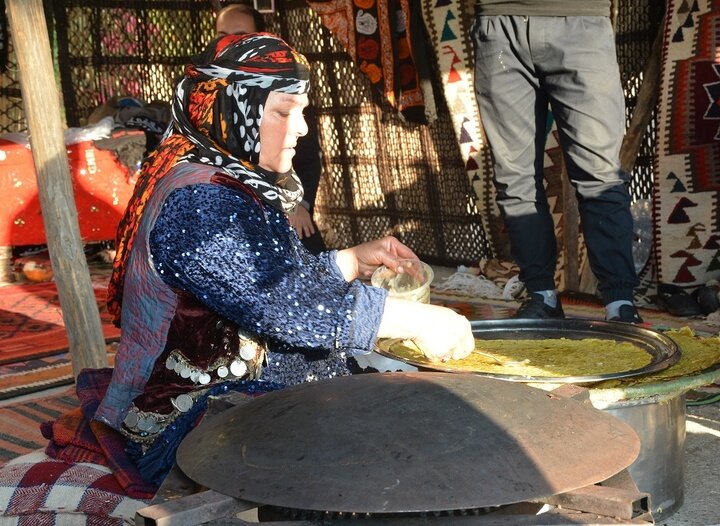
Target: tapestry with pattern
(448, 24)
(687, 159)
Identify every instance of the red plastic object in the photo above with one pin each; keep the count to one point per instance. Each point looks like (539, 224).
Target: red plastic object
(101, 184)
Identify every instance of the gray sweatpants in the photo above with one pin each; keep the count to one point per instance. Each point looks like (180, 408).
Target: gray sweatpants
(522, 65)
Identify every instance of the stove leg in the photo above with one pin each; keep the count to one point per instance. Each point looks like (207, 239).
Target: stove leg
(198, 508)
(617, 496)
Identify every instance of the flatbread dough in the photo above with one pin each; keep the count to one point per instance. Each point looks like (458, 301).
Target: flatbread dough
(557, 358)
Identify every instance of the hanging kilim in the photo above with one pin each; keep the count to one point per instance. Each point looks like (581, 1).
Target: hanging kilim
(448, 23)
(687, 163)
(385, 39)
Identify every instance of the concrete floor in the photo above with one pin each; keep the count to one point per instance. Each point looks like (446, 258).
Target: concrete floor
(702, 472)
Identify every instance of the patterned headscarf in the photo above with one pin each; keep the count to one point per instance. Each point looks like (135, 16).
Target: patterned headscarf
(217, 109)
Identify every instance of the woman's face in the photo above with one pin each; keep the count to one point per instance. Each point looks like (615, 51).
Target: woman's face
(281, 126)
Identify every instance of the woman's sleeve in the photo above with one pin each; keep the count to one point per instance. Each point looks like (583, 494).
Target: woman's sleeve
(242, 260)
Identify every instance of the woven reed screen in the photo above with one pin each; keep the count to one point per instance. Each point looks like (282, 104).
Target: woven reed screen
(637, 23)
(12, 114)
(381, 175)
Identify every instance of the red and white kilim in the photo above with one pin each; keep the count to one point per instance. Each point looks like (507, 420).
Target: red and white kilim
(38, 490)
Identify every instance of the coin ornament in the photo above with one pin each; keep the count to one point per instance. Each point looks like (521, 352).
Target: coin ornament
(170, 363)
(248, 351)
(182, 403)
(238, 368)
(145, 423)
(131, 419)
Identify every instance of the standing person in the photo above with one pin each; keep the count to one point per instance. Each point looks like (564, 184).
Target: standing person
(239, 19)
(528, 54)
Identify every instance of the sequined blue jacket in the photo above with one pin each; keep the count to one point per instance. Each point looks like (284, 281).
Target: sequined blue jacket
(242, 259)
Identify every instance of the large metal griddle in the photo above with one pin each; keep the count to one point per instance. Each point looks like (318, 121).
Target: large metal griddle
(663, 351)
(406, 442)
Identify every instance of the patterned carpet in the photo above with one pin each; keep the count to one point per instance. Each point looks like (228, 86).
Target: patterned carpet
(687, 157)
(33, 341)
(38, 374)
(31, 323)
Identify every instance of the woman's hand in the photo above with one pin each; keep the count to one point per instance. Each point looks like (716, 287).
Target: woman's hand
(362, 260)
(301, 222)
(440, 333)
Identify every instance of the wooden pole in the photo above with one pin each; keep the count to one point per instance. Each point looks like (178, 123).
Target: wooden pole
(646, 101)
(42, 109)
(570, 230)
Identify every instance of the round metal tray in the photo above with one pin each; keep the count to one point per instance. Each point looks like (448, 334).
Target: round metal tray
(663, 351)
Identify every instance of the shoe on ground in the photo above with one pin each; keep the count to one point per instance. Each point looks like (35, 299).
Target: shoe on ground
(535, 308)
(708, 298)
(627, 314)
(676, 301)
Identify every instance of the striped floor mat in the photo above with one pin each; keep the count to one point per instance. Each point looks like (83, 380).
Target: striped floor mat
(20, 422)
(40, 374)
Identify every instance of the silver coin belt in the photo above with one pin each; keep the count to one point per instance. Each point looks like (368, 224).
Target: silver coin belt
(145, 426)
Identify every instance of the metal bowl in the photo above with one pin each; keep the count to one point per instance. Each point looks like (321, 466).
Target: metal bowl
(664, 351)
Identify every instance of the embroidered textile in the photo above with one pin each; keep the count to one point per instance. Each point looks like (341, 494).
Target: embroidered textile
(687, 162)
(385, 38)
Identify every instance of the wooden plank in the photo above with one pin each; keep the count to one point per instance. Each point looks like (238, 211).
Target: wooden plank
(42, 108)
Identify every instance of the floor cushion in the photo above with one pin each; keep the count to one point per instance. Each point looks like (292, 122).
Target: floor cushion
(40, 491)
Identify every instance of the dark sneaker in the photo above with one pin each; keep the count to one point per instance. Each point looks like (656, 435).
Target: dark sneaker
(627, 314)
(534, 308)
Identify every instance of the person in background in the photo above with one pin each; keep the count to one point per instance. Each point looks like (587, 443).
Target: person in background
(237, 19)
(529, 54)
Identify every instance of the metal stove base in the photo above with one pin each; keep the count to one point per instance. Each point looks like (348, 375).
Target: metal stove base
(180, 502)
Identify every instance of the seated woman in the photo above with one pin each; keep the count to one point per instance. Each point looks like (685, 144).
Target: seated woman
(212, 286)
